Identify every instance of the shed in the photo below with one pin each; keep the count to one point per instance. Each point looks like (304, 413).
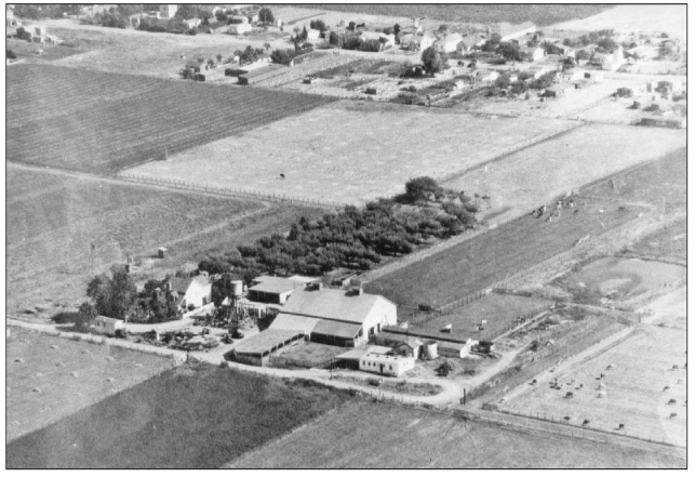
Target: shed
(257, 349)
(453, 349)
(386, 364)
(161, 252)
(106, 325)
(295, 322)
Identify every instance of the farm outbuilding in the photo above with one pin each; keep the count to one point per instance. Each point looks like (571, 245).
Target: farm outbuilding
(273, 290)
(294, 322)
(106, 325)
(401, 344)
(256, 350)
(262, 73)
(453, 349)
(386, 364)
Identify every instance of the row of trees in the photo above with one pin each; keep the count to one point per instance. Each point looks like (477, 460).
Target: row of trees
(355, 238)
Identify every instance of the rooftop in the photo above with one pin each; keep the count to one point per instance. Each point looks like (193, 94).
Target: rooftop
(332, 304)
(275, 285)
(266, 340)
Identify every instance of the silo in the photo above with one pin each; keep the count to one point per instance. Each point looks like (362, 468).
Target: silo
(430, 350)
(237, 288)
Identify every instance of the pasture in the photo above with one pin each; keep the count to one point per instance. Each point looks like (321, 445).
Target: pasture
(49, 378)
(621, 278)
(499, 311)
(669, 243)
(543, 171)
(52, 220)
(638, 385)
(97, 122)
(396, 437)
(188, 417)
(480, 262)
(351, 152)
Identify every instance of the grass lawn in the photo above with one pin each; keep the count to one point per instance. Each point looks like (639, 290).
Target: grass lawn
(372, 435)
(308, 354)
(188, 417)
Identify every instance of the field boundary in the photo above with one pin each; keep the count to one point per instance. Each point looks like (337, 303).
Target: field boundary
(231, 192)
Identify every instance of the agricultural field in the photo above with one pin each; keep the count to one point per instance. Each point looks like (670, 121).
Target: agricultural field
(669, 243)
(59, 117)
(478, 263)
(499, 311)
(52, 219)
(662, 182)
(351, 152)
(638, 384)
(49, 378)
(522, 181)
(634, 18)
(619, 278)
(191, 416)
(668, 310)
(475, 13)
(396, 437)
(27, 52)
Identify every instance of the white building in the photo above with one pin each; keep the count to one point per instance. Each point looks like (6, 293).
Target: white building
(106, 325)
(239, 28)
(393, 365)
(168, 11)
(195, 291)
(448, 43)
(417, 42)
(386, 40)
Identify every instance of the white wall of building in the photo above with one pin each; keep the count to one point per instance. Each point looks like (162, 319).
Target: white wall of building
(386, 364)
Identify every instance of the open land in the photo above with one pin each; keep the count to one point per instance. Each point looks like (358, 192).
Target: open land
(668, 310)
(350, 152)
(58, 117)
(641, 369)
(476, 264)
(49, 378)
(53, 219)
(537, 174)
(197, 417)
(669, 243)
(499, 311)
(395, 437)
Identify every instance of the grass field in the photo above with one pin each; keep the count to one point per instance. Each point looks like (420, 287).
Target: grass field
(350, 151)
(669, 243)
(189, 417)
(396, 437)
(53, 219)
(26, 51)
(661, 182)
(622, 278)
(482, 13)
(634, 386)
(41, 388)
(98, 122)
(510, 248)
(500, 311)
(539, 173)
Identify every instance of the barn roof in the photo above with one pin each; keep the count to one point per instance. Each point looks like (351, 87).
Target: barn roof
(265, 341)
(332, 304)
(337, 329)
(294, 322)
(274, 285)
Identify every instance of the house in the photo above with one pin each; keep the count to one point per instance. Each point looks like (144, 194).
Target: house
(509, 32)
(386, 364)
(273, 290)
(400, 344)
(448, 43)
(556, 91)
(537, 71)
(417, 42)
(197, 66)
(168, 11)
(411, 30)
(238, 19)
(192, 23)
(467, 44)
(535, 53)
(558, 48)
(106, 325)
(346, 317)
(313, 34)
(573, 74)
(239, 28)
(190, 292)
(387, 41)
(487, 75)
(594, 76)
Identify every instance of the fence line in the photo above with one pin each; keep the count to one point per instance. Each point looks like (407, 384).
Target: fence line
(225, 190)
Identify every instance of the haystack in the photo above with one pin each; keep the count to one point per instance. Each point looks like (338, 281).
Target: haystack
(601, 386)
(602, 394)
(610, 366)
(54, 347)
(111, 379)
(74, 374)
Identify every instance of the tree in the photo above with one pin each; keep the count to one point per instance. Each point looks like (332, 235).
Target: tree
(10, 55)
(222, 288)
(318, 25)
(397, 29)
(266, 15)
(187, 11)
(85, 314)
(582, 55)
(509, 51)
(302, 36)
(333, 38)
(267, 46)
(351, 26)
(421, 188)
(219, 57)
(113, 296)
(434, 61)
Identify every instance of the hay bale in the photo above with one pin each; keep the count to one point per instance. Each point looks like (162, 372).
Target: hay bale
(54, 347)
(73, 374)
(139, 365)
(36, 389)
(19, 360)
(111, 379)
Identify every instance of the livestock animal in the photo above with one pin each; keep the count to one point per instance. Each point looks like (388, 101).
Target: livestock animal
(282, 176)
(672, 415)
(566, 418)
(672, 402)
(621, 426)
(666, 388)
(585, 423)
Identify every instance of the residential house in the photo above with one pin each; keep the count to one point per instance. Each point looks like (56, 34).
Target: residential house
(168, 11)
(535, 53)
(487, 76)
(192, 23)
(448, 43)
(273, 290)
(106, 325)
(417, 42)
(237, 19)
(573, 74)
(538, 70)
(558, 48)
(313, 34)
(386, 364)
(467, 44)
(239, 28)
(509, 32)
(346, 317)
(556, 91)
(190, 292)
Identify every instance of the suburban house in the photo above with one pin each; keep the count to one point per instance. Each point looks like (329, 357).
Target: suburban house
(168, 11)
(486, 75)
(556, 91)
(106, 325)
(393, 365)
(535, 53)
(448, 43)
(237, 19)
(417, 42)
(386, 40)
(273, 290)
(190, 291)
(509, 32)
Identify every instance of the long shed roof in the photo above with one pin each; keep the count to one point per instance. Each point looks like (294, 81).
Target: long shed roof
(265, 341)
(332, 304)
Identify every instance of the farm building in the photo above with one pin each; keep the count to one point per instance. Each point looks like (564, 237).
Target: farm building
(209, 75)
(573, 74)
(265, 72)
(402, 344)
(538, 70)
(676, 123)
(294, 322)
(106, 325)
(417, 42)
(487, 75)
(341, 277)
(313, 34)
(256, 350)
(556, 91)
(467, 43)
(239, 28)
(351, 358)
(238, 19)
(273, 290)
(508, 31)
(346, 317)
(192, 22)
(453, 349)
(594, 76)
(559, 48)
(386, 364)
(387, 41)
(195, 291)
(448, 43)
(168, 11)
(535, 53)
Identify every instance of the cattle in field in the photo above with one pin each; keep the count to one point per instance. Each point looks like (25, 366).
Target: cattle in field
(281, 176)
(672, 415)
(666, 388)
(585, 423)
(672, 402)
